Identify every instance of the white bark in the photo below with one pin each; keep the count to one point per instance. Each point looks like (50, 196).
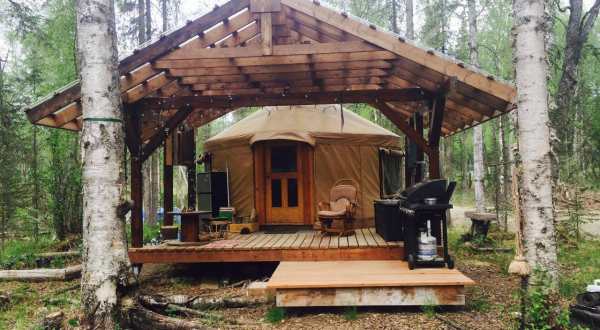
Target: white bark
(105, 261)
(478, 169)
(410, 26)
(531, 27)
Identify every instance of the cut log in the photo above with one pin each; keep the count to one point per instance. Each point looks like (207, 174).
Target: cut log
(139, 317)
(41, 274)
(51, 255)
(53, 321)
(225, 302)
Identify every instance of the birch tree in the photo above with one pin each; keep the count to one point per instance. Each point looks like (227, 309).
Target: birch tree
(530, 32)
(478, 169)
(105, 258)
(410, 26)
(579, 26)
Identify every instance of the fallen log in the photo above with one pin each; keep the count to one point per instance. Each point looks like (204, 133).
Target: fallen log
(41, 274)
(139, 317)
(200, 303)
(53, 321)
(51, 255)
(225, 302)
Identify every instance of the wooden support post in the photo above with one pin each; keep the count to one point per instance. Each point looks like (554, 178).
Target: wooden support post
(266, 32)
(168, 180)
(435, 128)
(420, 157)
(133, 139)
(190, 160)
(137, 184)
(409, 160)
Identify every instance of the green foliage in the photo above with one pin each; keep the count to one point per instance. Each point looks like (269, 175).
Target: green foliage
(543, 310)
(579, 266)
(275, 315)
(429, 309)
(351, 313)
(477, 300)
(20, 254)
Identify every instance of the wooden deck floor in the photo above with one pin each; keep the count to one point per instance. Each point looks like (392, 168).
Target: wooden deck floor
(366, 244)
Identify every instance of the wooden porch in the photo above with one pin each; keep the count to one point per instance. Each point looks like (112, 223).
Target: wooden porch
(306, 245)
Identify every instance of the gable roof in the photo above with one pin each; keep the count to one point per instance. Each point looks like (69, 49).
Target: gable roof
(308, 123)
(284, 52)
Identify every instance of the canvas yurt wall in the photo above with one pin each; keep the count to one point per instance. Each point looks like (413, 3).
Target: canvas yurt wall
(343, 146)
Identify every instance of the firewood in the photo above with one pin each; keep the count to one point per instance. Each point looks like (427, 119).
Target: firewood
(41, 274)
(53, 321)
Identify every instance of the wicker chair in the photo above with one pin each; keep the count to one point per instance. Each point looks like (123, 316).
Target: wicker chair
(337, 215)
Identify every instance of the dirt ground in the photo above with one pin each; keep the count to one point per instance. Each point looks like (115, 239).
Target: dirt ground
(488, 304)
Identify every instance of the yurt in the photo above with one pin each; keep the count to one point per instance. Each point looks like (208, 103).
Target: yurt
(281, 161)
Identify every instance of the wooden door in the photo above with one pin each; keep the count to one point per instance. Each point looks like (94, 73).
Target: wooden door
(284, 176)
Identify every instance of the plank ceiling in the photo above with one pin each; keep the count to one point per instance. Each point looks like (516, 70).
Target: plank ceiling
(283, 52)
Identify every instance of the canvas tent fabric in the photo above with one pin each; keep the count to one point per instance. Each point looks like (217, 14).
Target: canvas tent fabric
(348, 151)
(309, 124)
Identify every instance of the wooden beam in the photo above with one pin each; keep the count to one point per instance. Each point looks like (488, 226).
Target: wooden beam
(235, 101)
(168, 180)
(265, 6)
(141, 58)
(233, 70)
(196, 53)
(437, 117)
(276, 60)
(391, 42)
(146, 88)
(158, 138)
(400, 122)
(214, 35)
(284, 76)
(176, 38)
(266, 33)
(289, 84)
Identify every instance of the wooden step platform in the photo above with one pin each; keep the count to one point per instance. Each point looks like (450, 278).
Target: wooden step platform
(366, 283)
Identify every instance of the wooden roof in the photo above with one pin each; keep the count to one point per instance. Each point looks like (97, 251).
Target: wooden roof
(286, 52)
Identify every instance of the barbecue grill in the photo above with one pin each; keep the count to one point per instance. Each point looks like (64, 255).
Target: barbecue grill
(423, 203)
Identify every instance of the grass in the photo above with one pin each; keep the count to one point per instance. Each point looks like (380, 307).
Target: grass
(580, 266)
(20, 254)
(429, 310)
(29, 302)
(275, 315)
(461, 252)
(477, 300)
(351, 313)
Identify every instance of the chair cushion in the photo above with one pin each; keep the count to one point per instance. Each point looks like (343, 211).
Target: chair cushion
(330, 214)
(341, 204)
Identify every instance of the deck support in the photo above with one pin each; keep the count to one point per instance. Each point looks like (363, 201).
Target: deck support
(168, 180)
(135, 148)
(435, 129)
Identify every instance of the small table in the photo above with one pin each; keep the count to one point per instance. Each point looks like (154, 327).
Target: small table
(190, 224)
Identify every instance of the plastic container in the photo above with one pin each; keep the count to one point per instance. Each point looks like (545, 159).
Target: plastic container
(594, 287)
(387, 220)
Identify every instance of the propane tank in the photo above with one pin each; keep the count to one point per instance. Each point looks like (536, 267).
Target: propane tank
(427, 245)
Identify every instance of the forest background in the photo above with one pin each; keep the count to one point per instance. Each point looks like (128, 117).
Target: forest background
(40, 171)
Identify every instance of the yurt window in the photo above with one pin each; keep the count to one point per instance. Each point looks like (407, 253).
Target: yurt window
(390, 167)
(283, 159)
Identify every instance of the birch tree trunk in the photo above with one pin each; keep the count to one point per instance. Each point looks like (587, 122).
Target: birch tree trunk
(478, 169)
(577, 32)
(105, 261)
(410, 25)
(531, 27)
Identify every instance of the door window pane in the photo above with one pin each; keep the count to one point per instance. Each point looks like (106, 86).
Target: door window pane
(276, 193)
(292, 186)
(283, 159)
